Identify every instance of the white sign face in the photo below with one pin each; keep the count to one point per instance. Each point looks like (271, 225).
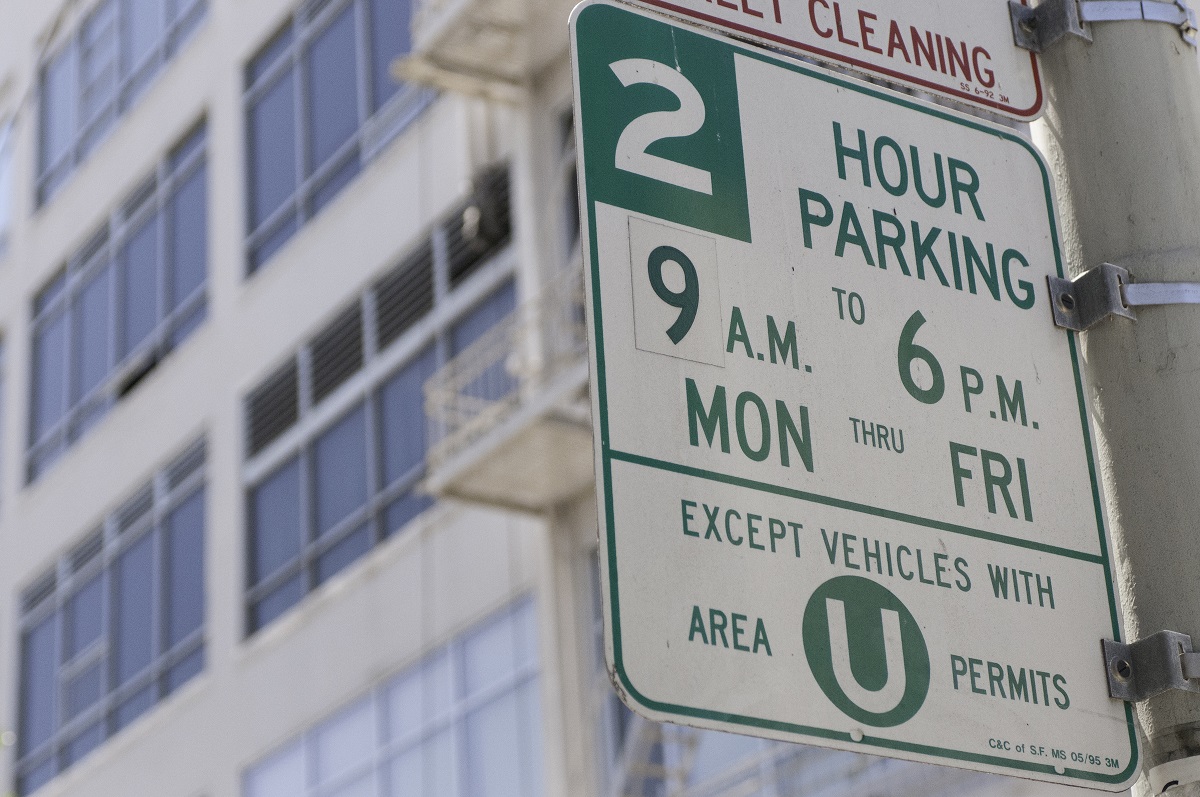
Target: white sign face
(961, 50)
(848, 495)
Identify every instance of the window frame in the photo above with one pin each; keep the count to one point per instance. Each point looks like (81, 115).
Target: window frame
(432, 332)
(378, 122)
(85, 132)
(97, 554)
(519, 615)
(103, 252)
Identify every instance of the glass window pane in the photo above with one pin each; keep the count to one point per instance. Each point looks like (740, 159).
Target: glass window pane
(274, 50)
(93, 316)
(50, 293)
(719, 752)
(276, 603)
(529, 709)
(441, 770)
(492, 755)
(49, 385)
(399, 512)
(143, 27)
(185, 569)
(473, 326)
(525, 620)
(98, 65)
(134, 707)
(273, 242)
(340, 463)
(333, 88)
(134, 594)
(84, 690)
(334, 183)
(495, 381)
(391, 22)
(345, 742)
(140, 284)
(275, 522)
(404, 775)
(402, 413)
(281, 775)
(57, 108)
(84, 743)
(84, 611)
(39, 676)
(189, 239)
(345, 552)
(488, 655)
(185, 670)
(37, 777)
(403, 705)
(6, 184)
(439, 686)
(363, 787)
(272, 145)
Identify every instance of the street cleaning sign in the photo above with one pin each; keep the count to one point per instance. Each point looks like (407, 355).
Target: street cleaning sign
(961, 49)
(848, 494)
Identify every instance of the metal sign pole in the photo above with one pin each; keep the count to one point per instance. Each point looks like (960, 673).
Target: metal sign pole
(1121, 128)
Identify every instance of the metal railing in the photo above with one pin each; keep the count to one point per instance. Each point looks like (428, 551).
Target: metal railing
(486, 383)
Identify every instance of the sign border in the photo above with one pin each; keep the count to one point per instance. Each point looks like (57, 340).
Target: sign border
(606, 455)
(872, 70)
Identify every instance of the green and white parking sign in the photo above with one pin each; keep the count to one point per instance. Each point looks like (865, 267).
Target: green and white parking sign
(848, 493)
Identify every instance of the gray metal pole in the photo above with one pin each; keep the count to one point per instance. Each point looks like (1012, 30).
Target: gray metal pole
(1122, 133)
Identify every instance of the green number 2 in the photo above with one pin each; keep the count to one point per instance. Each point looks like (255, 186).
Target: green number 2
(644, 130)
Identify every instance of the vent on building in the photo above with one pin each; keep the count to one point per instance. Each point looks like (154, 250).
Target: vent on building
(404, 295)
(86, 551)
(191, 461)
(272, 408)
(481, 228)
(337, 352)
(135, 509)
(38, 591)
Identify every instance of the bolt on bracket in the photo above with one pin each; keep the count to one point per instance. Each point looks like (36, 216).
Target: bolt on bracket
(1090, 298)
(1160, 662)
(1036, 28)
(1108, 290)
(1039, 27)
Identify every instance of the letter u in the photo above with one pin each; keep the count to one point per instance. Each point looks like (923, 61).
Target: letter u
(887, 697)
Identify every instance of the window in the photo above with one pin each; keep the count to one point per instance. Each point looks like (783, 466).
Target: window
(464, 722)
(115, 626)
(133, 293)
(320, 103)
(6, 183)
(98, 75)
(347, 481)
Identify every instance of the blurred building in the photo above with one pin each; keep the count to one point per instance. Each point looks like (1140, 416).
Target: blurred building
(296, 450)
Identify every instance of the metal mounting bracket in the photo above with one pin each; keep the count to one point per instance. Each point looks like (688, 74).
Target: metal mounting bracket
(1090, 298)
(1160, 662)
(1107, 290)
(1039, 27)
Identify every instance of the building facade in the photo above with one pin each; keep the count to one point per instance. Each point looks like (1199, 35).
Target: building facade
(295, 449)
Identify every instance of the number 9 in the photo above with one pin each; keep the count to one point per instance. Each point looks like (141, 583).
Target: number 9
(687, 300)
